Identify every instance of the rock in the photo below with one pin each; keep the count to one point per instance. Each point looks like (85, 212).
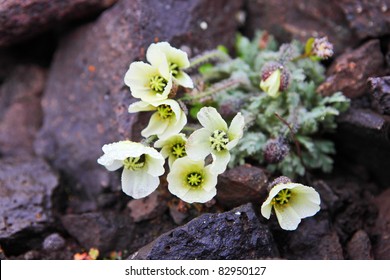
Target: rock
(381, 230)
(350, 71)
(22, 19)
(241, 185)
(147, 208)
(106, 231)
(20, 109)
(368, 19)
(314, 239)
(359, 247)
(237, 234)
(53, 242)
(85, 102)
(27, 186)
(380, 91)
(300, 20)
(362, 137)
(329, 199)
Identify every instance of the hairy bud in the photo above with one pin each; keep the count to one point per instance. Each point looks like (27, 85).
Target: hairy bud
(275, 150)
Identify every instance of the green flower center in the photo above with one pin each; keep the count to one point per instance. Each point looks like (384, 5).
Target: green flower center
(174, 68)
(178, 150)
(165, 111)
(219, 140)
(195, 179)
(134, 163)
(282, 198)
(158, 84)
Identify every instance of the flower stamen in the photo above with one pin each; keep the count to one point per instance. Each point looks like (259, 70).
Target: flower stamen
(195, 179)
(174, 68)
(158, 84)
(282, 198)
(178, 150)
(134, 163)
(219, 139)
(164, 111)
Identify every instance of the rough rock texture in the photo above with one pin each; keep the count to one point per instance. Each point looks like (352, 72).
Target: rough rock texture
(367, 18)
(314, 239)
(359, 247)
(241, 185)
(350, 71)
(363, 137)
(20, 109)
(382, 227)
(27, 186)
(237, 234)
(53, 242)
(300, 20)
(106, 231)
(380, 92)
(147, 208)
(85, 102)
(21, 19)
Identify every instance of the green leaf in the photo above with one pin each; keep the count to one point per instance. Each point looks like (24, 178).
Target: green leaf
(309, 45)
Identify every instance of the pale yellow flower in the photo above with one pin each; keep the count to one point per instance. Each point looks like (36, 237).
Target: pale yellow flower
(173, 147)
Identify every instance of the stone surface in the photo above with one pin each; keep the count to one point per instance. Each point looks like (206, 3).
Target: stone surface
(381, 230)
(106, 231)
(350, 71)
(20, 109)
(241, 185)
(367, 18)
(85, 102)
(363, 137)
(314, 239)
(53, 242)
(148, 207)
(27, 187)
(21, 19)
(359, 247)
(237, 234)
(380, 92)
(300, 20)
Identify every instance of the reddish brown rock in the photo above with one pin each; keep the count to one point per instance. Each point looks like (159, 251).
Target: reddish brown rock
(359, 247)
(241, 185)
(147, 208)
(85, 102)
(382, 227)
(20, 109)
(367, 18)
(350, 71)
(22, 19)
(300, 20)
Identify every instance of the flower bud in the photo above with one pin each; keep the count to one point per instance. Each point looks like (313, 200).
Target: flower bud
(275, 150)
(274, 79)
(322, 48)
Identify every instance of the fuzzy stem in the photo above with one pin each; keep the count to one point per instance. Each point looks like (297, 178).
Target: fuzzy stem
(208, 56)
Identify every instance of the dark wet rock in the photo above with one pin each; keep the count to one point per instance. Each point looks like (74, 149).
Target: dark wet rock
(237, 234)
(22, 19)
(329, 199)
(380, 92)
(27, 187)
(241, 185)
(147, 208)
(350, 71)
(85, 102)
(20, 109)
(106, 231)
(315, 239)
(53, 242)
(381, 230)
(32, 255)
(363, 137)
(300, 20)
(359, 247)
(368, 19)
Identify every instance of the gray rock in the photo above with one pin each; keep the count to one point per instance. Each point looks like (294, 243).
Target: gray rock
(359, 247)
(53, 242)
(27, 187)
(241, 185)
(381, 229)
(106, 231)
(85, 101)
(237, 234)
(21, 19)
